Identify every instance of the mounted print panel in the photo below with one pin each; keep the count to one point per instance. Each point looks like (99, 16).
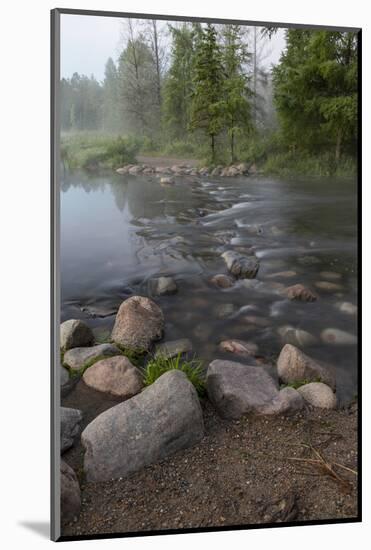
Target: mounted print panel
(205, 285)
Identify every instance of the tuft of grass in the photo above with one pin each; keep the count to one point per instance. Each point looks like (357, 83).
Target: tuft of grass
(135, 356)
(157, 366)
(298, 383)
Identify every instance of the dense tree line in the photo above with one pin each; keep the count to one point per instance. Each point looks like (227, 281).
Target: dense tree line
(205, 87)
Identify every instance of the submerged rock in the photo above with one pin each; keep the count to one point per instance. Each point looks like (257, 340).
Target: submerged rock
(331, 275)
(75, 333)
(337, 336)
(222, 281)
(239, 347)
(308, 260)
(282, 275)
(300, 292)
(70, 494)
(347, 307)
(236, 389)
(116, 376)
(295, 366)
(173, 348)
(319, 395)
(166, 181)
(76, 358)
(296, 337)
(139, 322)
(326, 285)
(162, 286)
(163, 419)
(223, 311)
(243, 267)
(70, 420)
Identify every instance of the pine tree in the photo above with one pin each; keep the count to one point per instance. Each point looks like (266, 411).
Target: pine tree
(206, 110)
(111, 118)
(237, 109)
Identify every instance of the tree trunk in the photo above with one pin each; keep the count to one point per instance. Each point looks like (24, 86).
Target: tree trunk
(338, 146)
(232, 146)
(212, 148)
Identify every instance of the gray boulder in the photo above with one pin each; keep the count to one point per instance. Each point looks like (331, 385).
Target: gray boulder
(236, 389)
(173, 348)
(70, 494)
(319, 395)
(70, 426)
(162, 286)
(295, 366)
(337, 336)
(242, 267)
(287, 401)
(139, 322)
(66, 383)
(76, 358)
(75, 333)
(164, 418)
(114, 375)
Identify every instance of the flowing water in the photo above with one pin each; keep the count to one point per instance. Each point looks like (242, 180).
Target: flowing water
(117, 232)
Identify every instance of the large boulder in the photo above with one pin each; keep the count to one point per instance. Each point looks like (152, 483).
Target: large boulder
(173, 348)
(114, 375)
(70, 494)
(295, 366)
(75, 333)
(76, 358)
(70, 420)
(242, 267)
(162, 286)
(164, 418)
(139, 322)
(236, 389)
(319, 395)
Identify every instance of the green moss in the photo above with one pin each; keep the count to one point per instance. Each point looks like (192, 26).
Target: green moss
(298, 383)
(135, 356)
(77, 373)
(157, 366)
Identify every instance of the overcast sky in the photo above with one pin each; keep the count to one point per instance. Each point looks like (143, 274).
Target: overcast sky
(87, 42)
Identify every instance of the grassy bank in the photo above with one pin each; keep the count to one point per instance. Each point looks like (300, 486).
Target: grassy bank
(91, 151)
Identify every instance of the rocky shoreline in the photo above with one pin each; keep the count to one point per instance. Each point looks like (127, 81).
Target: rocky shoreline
(233, 170)
(144, 426)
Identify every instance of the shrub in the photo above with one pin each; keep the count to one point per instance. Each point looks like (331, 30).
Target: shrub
(157, 366)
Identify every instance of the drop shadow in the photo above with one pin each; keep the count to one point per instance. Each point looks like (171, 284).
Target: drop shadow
(41, 528)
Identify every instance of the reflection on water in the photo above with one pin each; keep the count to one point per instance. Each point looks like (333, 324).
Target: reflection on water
(117, 232)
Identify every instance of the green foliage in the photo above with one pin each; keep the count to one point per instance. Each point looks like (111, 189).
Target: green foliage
(136, 357)
(206, 110)
(298, 383)
(191, 368)
(316, 91)
(90, 151)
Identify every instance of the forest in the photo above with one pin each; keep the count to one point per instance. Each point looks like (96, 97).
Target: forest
(206, 91)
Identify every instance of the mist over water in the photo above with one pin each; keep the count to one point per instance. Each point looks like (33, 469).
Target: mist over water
(119, 231)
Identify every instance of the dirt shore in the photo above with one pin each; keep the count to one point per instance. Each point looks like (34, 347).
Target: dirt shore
(251, 471)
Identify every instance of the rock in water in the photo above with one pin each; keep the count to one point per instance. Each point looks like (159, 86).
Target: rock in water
(300, 292)
(70, 494)
(288, 401)
(164, 418)
(242, 267)
(171, 349)
(166, 181)
(236, 389)
(76, 358)
(318, 395)
(331, 275)
(162, 286)
(347, 307)
(222, 281)
(337, 336)
(326, 285)
(296, 337)
(239, 347)
(75, 333)
(139, 322)
(294, 366)
(114, 375)
(70, 426)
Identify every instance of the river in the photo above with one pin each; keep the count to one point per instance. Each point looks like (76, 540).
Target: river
(119, 231)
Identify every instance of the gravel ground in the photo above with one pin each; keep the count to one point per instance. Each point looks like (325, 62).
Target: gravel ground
(241, 473)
